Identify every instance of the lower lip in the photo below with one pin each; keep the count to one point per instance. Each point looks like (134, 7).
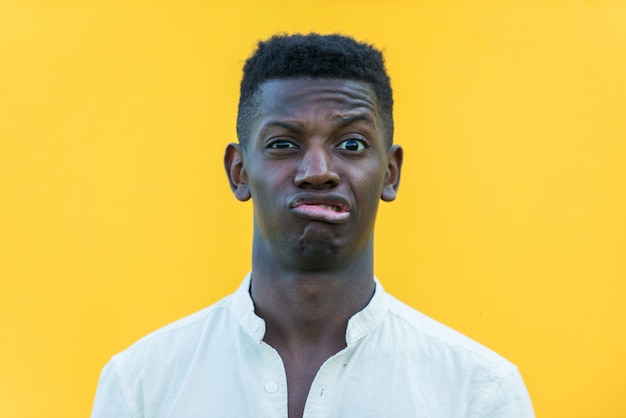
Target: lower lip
(319, 213)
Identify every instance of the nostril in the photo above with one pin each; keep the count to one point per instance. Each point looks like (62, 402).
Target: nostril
(317, 181)
(316, 170)
(317, 178)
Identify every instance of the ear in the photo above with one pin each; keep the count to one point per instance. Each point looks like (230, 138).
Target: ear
(236, 172)
(392, 175)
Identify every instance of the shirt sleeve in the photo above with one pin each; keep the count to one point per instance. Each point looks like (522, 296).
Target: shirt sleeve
(509, 400)
(111, 401)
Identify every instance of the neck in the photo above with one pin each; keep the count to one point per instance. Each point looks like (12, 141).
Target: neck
(310, 308)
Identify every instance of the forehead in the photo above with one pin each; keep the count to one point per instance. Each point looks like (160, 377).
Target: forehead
(289, 97)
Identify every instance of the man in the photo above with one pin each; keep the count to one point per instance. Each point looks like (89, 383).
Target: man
(311, 332)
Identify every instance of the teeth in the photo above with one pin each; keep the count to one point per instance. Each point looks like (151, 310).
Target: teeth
(333, 208)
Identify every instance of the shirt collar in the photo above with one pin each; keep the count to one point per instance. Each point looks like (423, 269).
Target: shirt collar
(243, 308)
(361, 323)
(367, 319)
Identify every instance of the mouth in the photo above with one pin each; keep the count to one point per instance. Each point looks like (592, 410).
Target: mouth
(331, 210)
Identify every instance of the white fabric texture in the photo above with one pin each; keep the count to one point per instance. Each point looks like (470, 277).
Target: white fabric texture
(397, 363)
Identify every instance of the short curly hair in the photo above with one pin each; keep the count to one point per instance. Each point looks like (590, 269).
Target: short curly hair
(313, 56)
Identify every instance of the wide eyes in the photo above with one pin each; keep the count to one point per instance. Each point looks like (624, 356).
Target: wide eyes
(352, 144)
(282, 145)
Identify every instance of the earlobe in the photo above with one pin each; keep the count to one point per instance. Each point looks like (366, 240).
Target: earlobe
(236, 172)
(392, 175)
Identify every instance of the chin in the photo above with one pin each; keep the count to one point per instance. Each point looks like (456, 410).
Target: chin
(317, 250)
(314, 256)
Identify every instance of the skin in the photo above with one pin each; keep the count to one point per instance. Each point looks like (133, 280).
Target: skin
(316, 166)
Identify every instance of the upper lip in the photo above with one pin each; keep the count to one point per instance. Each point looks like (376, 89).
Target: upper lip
(327, 199)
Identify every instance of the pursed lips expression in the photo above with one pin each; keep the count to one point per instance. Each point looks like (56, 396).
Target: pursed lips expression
(316, 162)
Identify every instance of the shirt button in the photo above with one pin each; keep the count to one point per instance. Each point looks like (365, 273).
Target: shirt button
(271, 386)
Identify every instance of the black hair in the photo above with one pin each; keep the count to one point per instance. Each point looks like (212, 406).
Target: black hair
(313, 56)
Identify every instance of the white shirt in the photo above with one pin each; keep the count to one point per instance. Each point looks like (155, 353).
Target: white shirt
(397, 363)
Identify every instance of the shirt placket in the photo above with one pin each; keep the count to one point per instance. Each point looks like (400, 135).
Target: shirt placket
(321, 389)
(273, 383)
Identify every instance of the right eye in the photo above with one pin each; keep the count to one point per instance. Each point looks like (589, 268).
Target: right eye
(282, 144)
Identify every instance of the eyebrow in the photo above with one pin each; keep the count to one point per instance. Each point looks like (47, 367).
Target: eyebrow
(349, 120)
(291, 126)
(341, 122)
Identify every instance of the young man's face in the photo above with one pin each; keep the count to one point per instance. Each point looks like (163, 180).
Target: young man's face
(316, 166)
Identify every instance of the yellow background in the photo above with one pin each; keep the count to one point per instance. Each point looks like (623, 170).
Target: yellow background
(116, 217)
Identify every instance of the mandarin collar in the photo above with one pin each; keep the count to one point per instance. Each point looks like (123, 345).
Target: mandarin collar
(359, 325)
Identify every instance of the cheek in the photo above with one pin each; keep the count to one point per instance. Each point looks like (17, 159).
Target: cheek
(266, 198)
(267, 178)
(259, 183)
(370, 183)
(368, 198)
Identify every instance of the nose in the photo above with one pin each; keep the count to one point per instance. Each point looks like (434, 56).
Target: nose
(315, 169)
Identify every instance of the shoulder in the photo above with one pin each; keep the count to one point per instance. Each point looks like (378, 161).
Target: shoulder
(491, 384)
(178, 339)
(428, 334)
(146, 376)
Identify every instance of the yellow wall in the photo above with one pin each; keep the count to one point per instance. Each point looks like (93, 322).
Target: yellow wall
(116, 217)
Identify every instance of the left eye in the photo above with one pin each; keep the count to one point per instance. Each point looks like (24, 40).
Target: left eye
(352, 145)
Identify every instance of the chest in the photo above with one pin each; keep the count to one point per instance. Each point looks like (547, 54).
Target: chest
(300, 376)
(253, 380)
